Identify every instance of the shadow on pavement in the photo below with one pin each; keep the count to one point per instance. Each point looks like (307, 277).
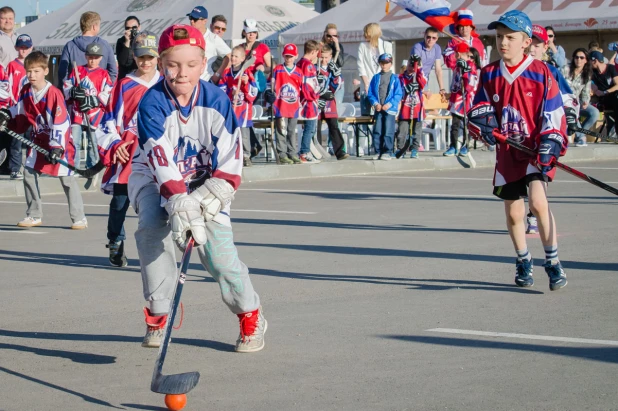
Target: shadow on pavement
(601, 354)
(80, 357)
(145, 407)
(85, 397)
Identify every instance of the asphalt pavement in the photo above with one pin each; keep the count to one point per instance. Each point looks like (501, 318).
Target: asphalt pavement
(382, 292)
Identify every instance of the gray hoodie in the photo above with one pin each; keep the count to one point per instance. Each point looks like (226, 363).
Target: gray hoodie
(75, 50)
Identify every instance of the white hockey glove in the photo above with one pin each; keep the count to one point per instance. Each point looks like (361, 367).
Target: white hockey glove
(213, 196)
(186, 215)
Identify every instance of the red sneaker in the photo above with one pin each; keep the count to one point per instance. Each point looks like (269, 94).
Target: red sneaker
(253, 325)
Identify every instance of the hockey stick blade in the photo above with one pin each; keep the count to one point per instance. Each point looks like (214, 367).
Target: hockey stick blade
(174, 383)
(2, 156)
(404, 149)
(503, 139)
(88, 172)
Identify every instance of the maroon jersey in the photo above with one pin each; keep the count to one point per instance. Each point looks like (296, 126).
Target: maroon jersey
(97, 83)
(528, 105)
(47, 113)
(243, 101)
(16, 75)
(412, 105)
(310, 88)
(5, 89)
(287, 86)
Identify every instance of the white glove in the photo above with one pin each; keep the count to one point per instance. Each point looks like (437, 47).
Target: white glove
(214, 195)
(186, 216)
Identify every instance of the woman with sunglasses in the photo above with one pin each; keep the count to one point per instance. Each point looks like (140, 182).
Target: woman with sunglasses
(124, 52)
(556, 53)
(579, 76)
(331, 39)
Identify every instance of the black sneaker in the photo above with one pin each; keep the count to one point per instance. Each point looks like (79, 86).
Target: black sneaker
(557, 278)
(117, 258)
(246, 162)
(255, 151)
(523, 273)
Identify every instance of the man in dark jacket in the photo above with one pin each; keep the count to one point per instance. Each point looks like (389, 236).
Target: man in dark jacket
(75, 50)
(124, 53)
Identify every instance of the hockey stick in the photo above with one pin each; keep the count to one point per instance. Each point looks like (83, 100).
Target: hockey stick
(411, 134)
(272, 119)
(503, 139)
(174, 383)
(245, 66)
(88, 172)
(465, 122)
(597, 135)
(2, 156)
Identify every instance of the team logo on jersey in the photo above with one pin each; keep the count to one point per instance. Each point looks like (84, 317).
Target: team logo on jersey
(496, 98)
(288, 94)
(189, 154)
(513, 124)
(41, 125)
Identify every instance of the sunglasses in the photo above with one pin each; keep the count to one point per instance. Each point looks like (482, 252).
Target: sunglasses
(580, 57)
(330, 36)
(131, 28)
(223, 29)
(194, 19)
(551, 36)
(431, 38)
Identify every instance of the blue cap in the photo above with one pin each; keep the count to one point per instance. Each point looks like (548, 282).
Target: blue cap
(198, 12)
(23, 40)
(596, 55)
(385, 58)
(515, 20)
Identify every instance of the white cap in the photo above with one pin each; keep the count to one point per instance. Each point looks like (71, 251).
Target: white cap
(250, 26)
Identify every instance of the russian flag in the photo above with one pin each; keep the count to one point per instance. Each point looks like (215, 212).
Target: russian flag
(436, 13)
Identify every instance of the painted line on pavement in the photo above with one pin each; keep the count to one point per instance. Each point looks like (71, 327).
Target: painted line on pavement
(369, 193)
(597, 168)
(459, 178)
(524, 336)
(22, 231)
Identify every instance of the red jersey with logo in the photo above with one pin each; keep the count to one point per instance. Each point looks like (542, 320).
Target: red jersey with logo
(259, 52)
(528, 105)
(16, 74)
(46, 112)
(412, 105)
(243, 101)
(310, 89)
(95, 82)
(326, 80)
(287, 87)
(5, 89)
(468, 81)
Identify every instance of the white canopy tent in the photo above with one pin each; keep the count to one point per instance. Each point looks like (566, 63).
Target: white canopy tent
(51, 32)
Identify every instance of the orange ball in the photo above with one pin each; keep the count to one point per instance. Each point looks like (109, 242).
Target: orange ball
(175, 402)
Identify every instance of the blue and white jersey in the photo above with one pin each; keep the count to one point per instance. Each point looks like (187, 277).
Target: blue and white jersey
(178, 143)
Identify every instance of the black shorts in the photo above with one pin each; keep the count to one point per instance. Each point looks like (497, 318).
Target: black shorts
(518, 189)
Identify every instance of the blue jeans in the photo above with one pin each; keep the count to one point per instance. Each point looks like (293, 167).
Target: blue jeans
(117, 213)
(76, 133)
(383, 132)
(591, 115)
(308, 132)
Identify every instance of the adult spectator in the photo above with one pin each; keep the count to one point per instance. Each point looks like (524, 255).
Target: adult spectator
(75, 50)
(368, 52)
(464, 26)
(431, 56)
(330, 38)
(605, 86)
(7, 36)
(124, 52)
(579, 76)
(215, 46)
(218, 25)
(595, 46)
(556, 54)
(259, 50)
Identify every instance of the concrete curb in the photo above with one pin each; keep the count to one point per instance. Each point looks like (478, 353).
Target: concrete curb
(428, 161)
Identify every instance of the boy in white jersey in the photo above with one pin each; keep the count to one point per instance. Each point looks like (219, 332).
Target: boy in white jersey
(188, 133)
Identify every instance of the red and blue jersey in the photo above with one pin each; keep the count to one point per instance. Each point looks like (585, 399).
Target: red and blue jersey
(310, 89)
(242, 99)
(5, 89)
(412, 105)
(287, 87)
(327, 81)
(528, 105)
(46, 112)
(16, 75)
(95, 82)
(468, 81)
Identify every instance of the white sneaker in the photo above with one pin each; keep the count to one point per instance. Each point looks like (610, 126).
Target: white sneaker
(376, 157)
(80, 225)
(386, 157)
(30, 222)
(253, 326)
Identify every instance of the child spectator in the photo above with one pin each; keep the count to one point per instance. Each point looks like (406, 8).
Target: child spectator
(288, 81)
(465, 76)
(242, 91)
(385, 94)
(42, 106)
(329, 79)
(309, 98)
(88, 98)
(16, 77)
(412, 110)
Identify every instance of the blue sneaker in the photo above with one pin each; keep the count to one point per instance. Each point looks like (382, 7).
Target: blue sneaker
(463, 151)
(523, 273)
(414, 153)
(450, 152)
(557, 278)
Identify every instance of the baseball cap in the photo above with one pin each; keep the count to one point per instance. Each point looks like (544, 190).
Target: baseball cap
(515, 20)
(94, 49)
(145, 44)
(596, 55)
(462, 47)
(23, 40)
(290, 50)
(167, 38)
(250, 26)
(198, 12)
(540, 33)
(385, 58)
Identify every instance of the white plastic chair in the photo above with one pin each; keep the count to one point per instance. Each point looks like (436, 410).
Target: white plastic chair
(347, 110)
(258, 111)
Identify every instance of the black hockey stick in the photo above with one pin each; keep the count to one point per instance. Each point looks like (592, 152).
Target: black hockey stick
(572, 171)
(597, 135)
(411, 134)
(2, 156)
(272, 118)
(174, 383)
(88, 173)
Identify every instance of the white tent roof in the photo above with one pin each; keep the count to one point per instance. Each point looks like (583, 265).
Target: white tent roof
(352, 16)
(51, 32)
